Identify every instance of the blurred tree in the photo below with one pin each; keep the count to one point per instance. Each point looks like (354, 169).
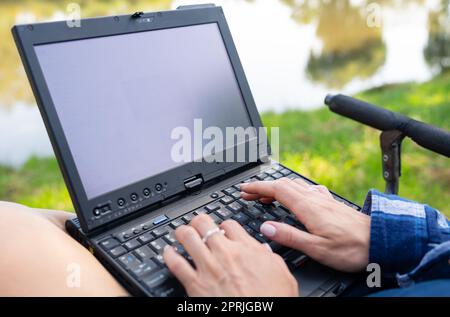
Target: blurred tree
(437, 52)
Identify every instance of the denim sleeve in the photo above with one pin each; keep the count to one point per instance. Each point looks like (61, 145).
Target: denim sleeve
(402, 232)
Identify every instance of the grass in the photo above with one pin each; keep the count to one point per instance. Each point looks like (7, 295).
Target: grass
(334, 151)
(345, 155)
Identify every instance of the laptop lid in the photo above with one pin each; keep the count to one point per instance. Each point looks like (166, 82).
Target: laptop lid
(119, 95)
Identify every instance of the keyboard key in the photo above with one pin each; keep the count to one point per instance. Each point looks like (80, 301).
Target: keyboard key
(160, 231)
(109, 243)
(277, 175)
(170, 289)
(261, 176)
(253, 212)
(132, 244)
(117, 251)
(187, 218)
(276, 247)
(270, 171)
(179, 248)
(177, 222)
(255, 225)
(156, 279)
(269, 178)
(285, 172)
(170, 238)
(226, 200)
(244, 202)
(146, 238)
(279, 212)
(249, 230)
(144, 268)
(158, 245)
(212, 207)
(290, 220)
(293, 176)
(260, 237)
(267, 217)
(147, 225)
(223, 213)
(276, 167)
(236, 195)
(129, 261)
(229, 190)
(237, 186)
(160, 219)
(235, 207)
(144, 253)
(241, 218)
(200, 211)
(295, 258)
(264, 207)
(159, 259)
(215, 218)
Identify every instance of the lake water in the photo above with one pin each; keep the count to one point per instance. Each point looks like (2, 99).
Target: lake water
(293, 52)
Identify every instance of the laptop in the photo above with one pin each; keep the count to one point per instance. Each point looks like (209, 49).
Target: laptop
(113, 93)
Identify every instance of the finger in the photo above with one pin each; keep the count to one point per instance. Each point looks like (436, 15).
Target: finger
(279, 190)
(286, 192)
(248, 196)
(294, 238)
(235, 232)
(301, 182)
(178, 265)
(195, 247)
(266, 200)
(268, 247)
(324, 190)
(203, 224)
(313, 188)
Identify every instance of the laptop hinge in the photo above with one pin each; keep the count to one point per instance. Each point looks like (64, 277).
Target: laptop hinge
(194, 181)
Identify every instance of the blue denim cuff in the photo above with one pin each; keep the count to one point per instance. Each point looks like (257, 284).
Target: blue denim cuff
(399, 235)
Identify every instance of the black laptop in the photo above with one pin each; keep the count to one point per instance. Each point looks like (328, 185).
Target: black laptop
(111, 93)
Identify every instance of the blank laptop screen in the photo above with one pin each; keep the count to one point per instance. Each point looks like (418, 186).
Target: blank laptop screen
(119, 98)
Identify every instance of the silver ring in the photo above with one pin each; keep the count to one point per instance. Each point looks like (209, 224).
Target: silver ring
(212, 232)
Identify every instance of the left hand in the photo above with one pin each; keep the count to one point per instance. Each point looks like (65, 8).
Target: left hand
(230, 264)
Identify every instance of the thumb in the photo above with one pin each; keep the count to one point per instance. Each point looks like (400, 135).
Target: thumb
(294, 238)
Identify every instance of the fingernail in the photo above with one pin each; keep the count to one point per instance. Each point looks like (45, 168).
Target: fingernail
(167, 247)
(268, 230)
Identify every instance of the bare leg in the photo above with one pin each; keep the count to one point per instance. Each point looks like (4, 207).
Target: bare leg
(38, 257)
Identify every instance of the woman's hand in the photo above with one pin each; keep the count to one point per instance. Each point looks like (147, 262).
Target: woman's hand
(338, 237)
(229, 264)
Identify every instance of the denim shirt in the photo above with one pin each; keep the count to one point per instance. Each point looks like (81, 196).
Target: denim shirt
(410, 241)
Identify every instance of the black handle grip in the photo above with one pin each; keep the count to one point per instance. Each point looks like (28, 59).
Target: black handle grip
(426, 135)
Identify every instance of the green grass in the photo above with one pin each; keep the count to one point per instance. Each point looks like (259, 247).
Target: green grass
(345, 155)
(334, 151)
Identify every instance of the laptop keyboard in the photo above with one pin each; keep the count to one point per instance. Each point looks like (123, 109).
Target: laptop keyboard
(139, 250)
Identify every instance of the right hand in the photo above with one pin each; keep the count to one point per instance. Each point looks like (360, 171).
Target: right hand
(338, 236)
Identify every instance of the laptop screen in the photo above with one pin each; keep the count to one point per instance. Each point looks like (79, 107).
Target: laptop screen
(119, 99)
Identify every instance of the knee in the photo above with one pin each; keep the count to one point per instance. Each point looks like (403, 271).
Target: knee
(14, 216)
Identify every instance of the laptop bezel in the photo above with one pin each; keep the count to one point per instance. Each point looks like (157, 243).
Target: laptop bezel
(30, 35)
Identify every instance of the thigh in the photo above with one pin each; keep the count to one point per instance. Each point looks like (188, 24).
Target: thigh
(40, 259)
